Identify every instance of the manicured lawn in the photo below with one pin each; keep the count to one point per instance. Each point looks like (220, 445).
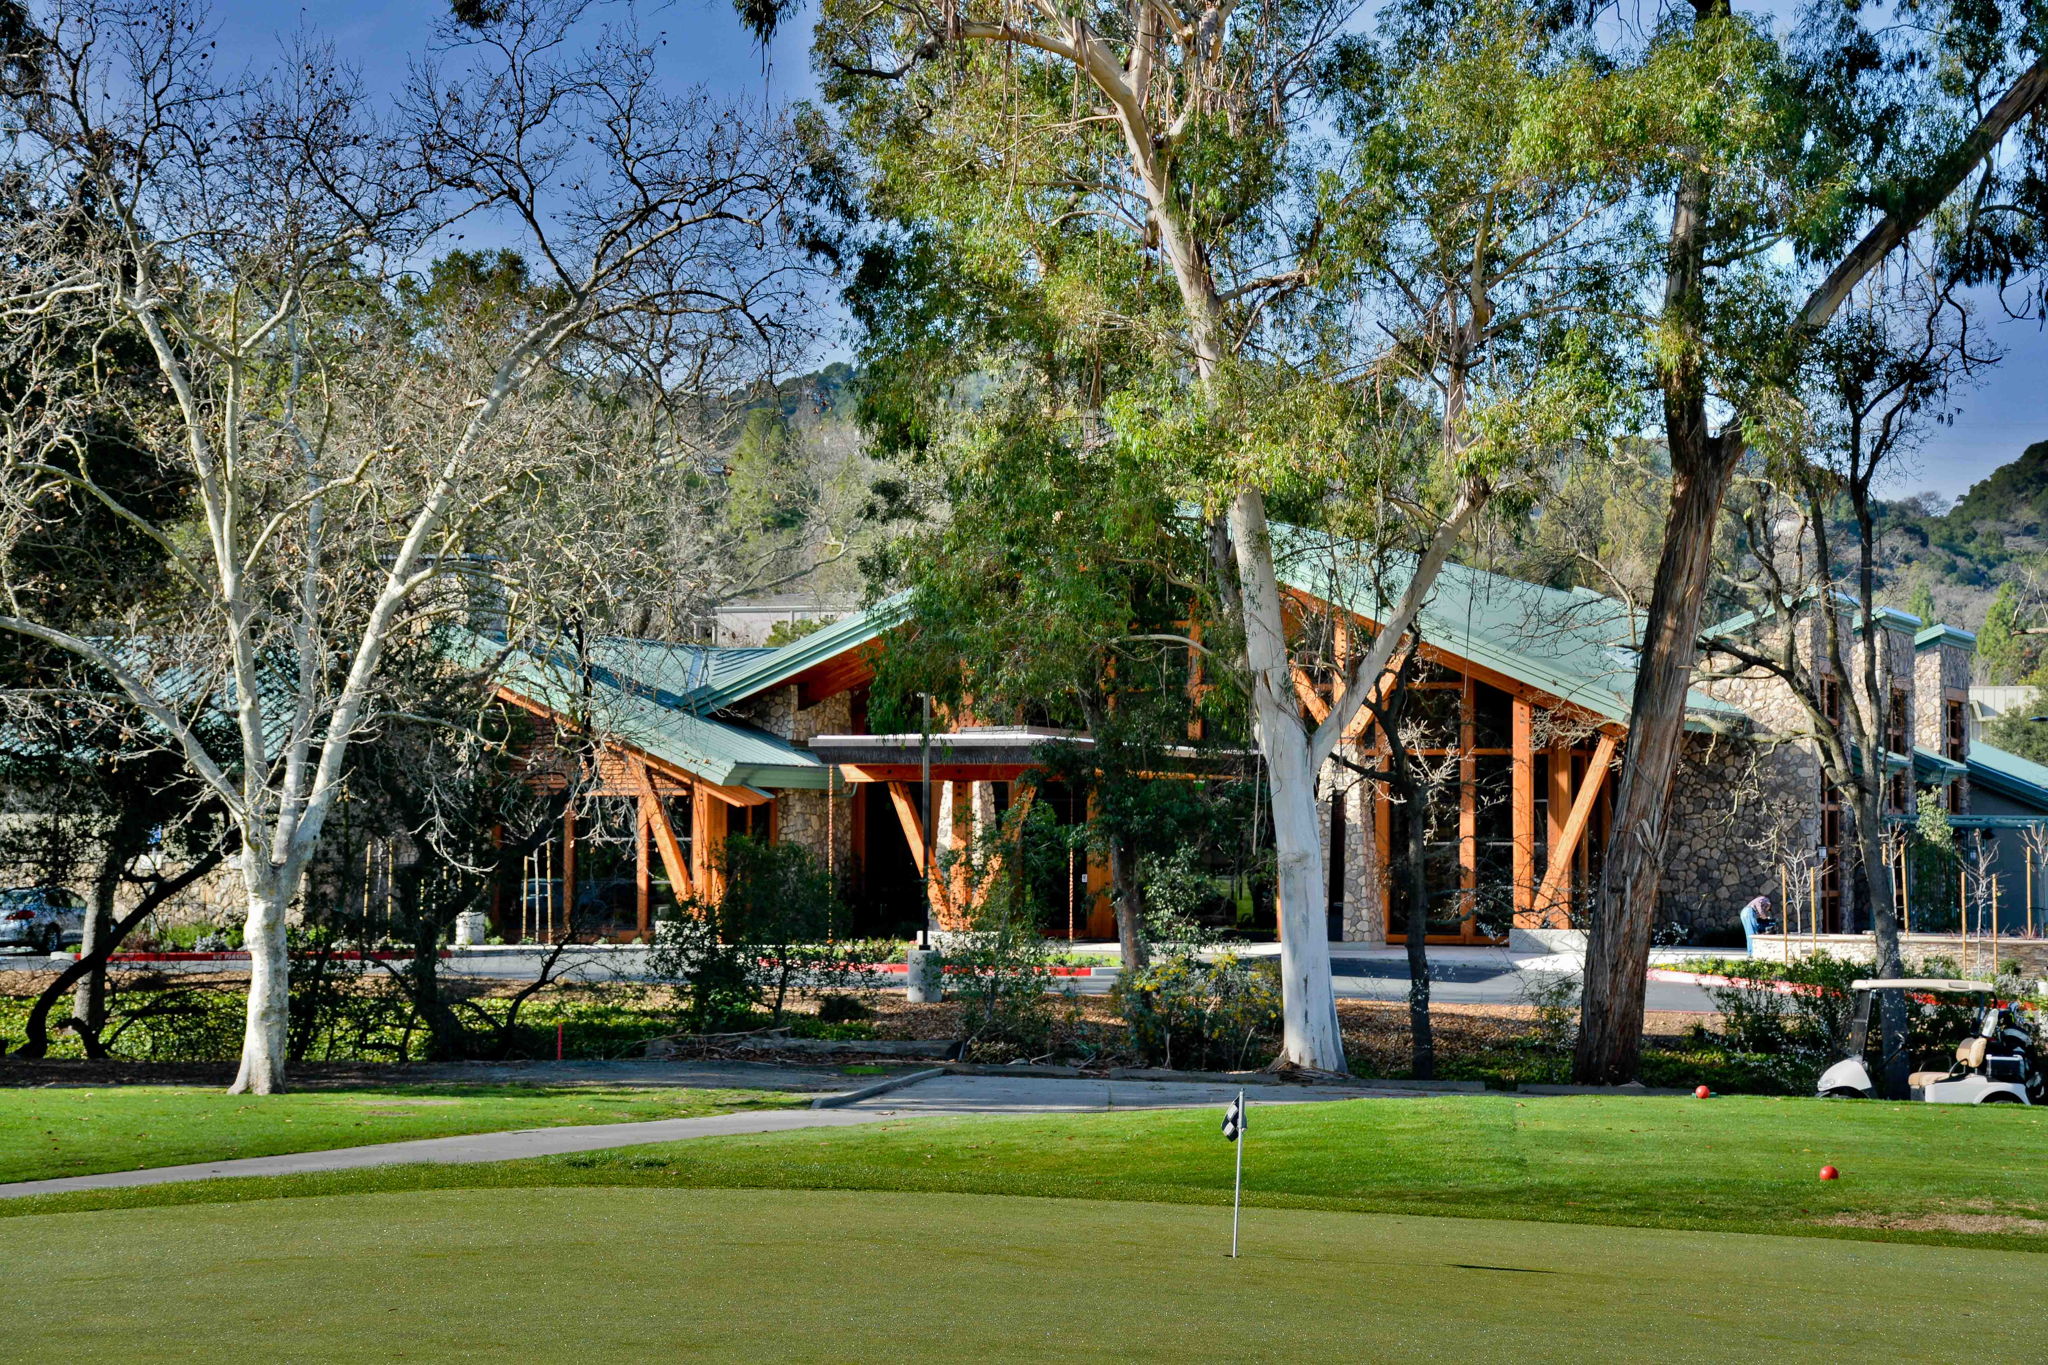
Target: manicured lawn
(52, 1132)
(1927, 1173)
(660, 1274)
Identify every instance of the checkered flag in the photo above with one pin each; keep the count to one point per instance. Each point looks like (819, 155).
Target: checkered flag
(1233, 1118)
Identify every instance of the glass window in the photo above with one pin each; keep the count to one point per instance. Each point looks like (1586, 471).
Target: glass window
(1493, 717)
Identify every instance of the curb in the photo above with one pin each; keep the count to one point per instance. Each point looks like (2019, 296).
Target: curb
(881, 1087)
(1644, 1090)
(1683, 978)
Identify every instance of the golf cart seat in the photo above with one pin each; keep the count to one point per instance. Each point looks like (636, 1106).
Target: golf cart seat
(1969, 1057)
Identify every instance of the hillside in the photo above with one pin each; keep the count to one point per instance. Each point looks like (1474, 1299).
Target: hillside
(1962, 554)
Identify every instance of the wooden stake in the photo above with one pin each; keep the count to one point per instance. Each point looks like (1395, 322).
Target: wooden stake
(1784, 915)
(1813, 908)
(1905, 891)
(1994, 927)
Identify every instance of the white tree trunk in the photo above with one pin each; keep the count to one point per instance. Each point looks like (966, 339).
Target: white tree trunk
(1309, 1010)
(263, 1039)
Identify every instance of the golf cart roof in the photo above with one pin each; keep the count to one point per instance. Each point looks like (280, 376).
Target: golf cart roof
(1938, 984)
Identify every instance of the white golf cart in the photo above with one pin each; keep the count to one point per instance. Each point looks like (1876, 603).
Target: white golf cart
(1996, 1063)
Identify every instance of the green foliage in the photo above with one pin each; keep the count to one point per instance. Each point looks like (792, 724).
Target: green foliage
(2000, 645)
(1216, 1015)
(1001, 971)
(770, 932)
(1932, 859)
(2016, 733)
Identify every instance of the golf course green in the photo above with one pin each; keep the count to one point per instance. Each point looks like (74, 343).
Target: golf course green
(655, 1274)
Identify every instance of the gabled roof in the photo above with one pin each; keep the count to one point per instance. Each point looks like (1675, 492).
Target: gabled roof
(2009, 775)
(676, 670)
(718, 751)
(1578, 646)
(771, 668)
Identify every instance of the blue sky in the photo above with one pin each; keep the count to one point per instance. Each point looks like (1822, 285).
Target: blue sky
(706, 46)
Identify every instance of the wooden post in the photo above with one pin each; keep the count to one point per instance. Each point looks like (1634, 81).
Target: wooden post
(1784, 914)
(1559, 801)
(1994, 926)
(2030, 892)
(1905, 887)
(1963, 910)
(1524, 797)
(1813, 908)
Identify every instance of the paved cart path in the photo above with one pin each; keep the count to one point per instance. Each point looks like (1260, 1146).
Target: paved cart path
(939, 1096)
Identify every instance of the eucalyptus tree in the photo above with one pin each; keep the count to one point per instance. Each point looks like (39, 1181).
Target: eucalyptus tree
(1888, 368)
(251, 228)
(1155, 180)
(1810, 166)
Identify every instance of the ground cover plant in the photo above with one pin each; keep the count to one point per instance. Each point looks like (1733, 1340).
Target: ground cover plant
(56, 1131)
(663, 1274)
(1921, 1173)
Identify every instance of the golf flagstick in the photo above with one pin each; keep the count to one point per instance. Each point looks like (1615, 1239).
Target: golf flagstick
(1233, 1129)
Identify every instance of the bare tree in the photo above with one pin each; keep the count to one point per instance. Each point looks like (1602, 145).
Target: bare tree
(345, 452)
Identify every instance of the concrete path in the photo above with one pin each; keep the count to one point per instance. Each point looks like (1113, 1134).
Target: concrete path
(1360, 971)
(941, 1095)
(953, 1094)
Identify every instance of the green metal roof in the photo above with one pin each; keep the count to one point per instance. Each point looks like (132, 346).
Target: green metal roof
(1577, 646)
(2009, 775)
(778, 666)
(1945, 635)
(719, 751)
(1889, 617)
(1936, 770)
(676, 670)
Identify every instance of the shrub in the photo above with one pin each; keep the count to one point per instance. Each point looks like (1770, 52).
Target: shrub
(842, 1009)
(1219, 1016)
(1013, 1005)
(720, 982)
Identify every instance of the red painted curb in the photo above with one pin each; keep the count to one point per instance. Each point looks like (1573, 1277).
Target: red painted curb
(1705, 979)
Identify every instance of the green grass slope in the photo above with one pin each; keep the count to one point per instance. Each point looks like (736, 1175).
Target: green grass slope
(56, 1132)
(1929, 1173)
(625, 1274)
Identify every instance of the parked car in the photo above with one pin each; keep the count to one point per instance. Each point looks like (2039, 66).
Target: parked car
(39, 919)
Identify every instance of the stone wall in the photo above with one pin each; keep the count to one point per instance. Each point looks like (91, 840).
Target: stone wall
(820, 821)
(1947, 951)
(1739, 808)
(1364, 884)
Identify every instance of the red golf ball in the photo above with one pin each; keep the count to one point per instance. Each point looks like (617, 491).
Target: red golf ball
(1830, 1173)
(1701, 1093)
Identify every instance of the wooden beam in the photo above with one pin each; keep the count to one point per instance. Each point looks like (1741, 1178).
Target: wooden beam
(941, 772)
(643, 876)
(1305, 688)
(654, 818)
(1562, 856)
(671, 848)
(913, 824)
(1524, 776)
(707, 843)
